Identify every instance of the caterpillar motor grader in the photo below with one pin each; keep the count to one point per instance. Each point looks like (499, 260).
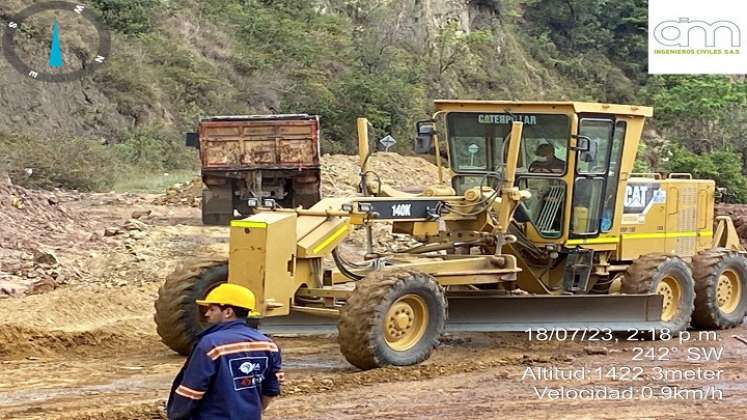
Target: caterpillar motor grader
(543, 225)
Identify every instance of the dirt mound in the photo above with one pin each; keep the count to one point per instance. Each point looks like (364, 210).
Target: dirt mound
(738, 213)
(189, 194)
(34, 226)
(15, 341)
(340, 173)
(340, 177)
(76, 320)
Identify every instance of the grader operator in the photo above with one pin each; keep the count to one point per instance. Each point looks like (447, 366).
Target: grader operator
(508, 245)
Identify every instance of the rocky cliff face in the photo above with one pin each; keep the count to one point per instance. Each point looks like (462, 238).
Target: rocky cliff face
(192, 63)
(96, 107)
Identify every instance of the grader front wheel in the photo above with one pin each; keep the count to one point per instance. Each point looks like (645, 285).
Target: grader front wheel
(720, 296)
(392, 318)
(177, 317)
(668, 276)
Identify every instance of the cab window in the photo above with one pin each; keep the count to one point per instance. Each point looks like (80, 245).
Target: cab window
(591, 175)
(477, 142)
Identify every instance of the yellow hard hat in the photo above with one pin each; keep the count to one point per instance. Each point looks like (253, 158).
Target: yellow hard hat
(233, 295)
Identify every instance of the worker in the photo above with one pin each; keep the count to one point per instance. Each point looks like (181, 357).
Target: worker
(233, 371)
(546, 160)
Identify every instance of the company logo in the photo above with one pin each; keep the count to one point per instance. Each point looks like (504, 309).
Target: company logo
(696, 37)
(639, 197)
(686, 33)
(249, 367)
(247, 372)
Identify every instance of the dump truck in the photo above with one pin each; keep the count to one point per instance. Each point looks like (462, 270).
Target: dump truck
(256, 156)
(540, 225)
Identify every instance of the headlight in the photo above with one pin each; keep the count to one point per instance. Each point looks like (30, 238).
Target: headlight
(252, 202)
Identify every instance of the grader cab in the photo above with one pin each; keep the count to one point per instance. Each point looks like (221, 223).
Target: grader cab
(541, 225)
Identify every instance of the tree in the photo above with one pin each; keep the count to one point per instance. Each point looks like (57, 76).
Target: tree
(723, 166)
(704, 112)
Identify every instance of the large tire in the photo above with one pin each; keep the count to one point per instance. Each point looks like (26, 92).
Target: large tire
(720, 284)
(669, 276)
(392, 318)
(177, 316)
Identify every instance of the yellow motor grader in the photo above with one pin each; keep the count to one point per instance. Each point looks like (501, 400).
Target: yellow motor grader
(541, 225)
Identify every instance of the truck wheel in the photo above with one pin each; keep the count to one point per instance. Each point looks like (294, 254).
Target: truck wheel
(306, 200)
(668, 276)
(306, 191)
(217, 205)
(178, 319)
(392, 318)
(720, 281)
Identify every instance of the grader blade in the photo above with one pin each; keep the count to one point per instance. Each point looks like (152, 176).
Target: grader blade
(519, 313)
(480, 313)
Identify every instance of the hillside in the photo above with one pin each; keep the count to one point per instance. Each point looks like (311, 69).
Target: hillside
(173, 62)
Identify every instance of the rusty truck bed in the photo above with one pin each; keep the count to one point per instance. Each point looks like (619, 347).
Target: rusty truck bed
(259, 142)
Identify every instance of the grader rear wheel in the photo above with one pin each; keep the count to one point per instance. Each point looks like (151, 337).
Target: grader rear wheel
(720, 296)
(392, 318)
(668, 276)
(177, 317)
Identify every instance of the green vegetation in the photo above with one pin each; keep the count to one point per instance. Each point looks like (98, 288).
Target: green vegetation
(341, 59)
(88, 165)
(69, 163)
(155, 182)
(128, 16)
(725, 167)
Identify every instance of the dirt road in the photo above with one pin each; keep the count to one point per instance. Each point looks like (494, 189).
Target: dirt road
(105, 361)
(90, 351)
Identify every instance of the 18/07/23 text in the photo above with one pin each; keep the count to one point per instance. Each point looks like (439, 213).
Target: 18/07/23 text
(608, 335)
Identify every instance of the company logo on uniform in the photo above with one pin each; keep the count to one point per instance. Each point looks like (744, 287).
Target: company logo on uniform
(696, 37)
(249, 367)
(247, 372)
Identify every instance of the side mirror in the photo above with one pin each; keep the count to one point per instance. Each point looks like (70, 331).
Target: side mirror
(424, 140)
(192, 140)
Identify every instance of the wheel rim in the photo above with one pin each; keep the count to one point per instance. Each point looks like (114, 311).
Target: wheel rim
(405, 322)
(728, 291)
(669, 288)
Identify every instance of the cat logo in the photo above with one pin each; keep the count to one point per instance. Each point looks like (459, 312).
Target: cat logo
(641, 196)
(635, 195)
(401, 210)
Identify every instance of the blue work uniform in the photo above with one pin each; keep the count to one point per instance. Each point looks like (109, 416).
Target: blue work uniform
(228, 371)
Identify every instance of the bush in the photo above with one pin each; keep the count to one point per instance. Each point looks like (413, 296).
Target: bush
(65, 163)
(89, 165)
(154, 149)
(127, 16)
(724, 167)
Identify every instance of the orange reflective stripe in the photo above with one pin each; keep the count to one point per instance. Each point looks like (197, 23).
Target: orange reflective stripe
(189, 393)
(219, 351)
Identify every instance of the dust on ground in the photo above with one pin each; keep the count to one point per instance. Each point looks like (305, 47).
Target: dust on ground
(86, 348)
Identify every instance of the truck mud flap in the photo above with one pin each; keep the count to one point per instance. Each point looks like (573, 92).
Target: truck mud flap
(217, 205)
(469, 313)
